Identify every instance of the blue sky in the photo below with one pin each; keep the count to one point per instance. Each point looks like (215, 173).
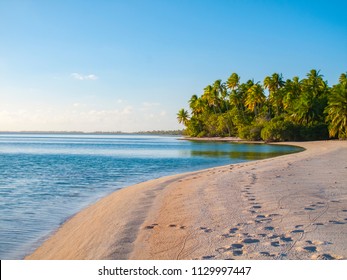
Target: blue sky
(131, 65)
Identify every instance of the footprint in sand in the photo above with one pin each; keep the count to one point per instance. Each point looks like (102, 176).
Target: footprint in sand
(326, 257)
(297, 231)
(275, 243)
(242, 224)
(266, 254)
(205, 229)
(260, 216)
(286, 239)
(274, 215)
(336, 222)
(172, 225)
(233, 230)
(208, 257)
(238, 252)
(310, 249)
(151, 226)
(265, 220)
(250, 240)
(269, 228)
(236, 246)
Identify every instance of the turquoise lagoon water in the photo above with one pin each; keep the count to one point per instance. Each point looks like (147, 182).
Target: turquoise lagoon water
(46, 178)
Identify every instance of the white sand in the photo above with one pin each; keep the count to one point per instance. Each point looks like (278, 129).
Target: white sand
(288, 207)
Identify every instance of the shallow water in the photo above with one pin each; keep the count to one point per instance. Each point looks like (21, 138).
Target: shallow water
(44, 179)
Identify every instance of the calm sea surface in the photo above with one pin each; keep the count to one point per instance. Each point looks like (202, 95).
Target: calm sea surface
(46, 178)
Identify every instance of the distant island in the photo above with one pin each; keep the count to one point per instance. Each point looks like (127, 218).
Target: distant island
(293, 110)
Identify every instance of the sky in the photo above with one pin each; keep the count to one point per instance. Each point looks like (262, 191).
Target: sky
(130, 65)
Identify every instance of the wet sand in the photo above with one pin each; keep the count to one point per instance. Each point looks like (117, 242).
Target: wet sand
(288, 207)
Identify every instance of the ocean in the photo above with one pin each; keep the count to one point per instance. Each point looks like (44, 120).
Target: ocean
(47, 178)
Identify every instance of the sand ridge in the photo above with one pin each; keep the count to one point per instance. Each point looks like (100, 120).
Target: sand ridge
(288, 207)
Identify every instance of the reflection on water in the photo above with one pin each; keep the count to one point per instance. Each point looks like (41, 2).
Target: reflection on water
(240, 151)
(236, 154)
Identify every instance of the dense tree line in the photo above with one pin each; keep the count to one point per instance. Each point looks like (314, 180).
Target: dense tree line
(275, 110)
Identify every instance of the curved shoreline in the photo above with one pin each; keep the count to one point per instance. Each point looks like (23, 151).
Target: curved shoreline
(288, 207)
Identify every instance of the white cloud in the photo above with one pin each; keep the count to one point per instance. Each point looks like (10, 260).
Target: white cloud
(81, 77)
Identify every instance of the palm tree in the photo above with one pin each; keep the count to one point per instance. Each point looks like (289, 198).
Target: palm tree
(309, 108)
(306, 110)
(292, 91)
(183, 117)
(314, 83)
(255, 97)
(192, 101)
(343, 78)
(211, 97)
(233, 81)
(197, 105)
(236, 99)
(337, 109)
(220, 93)
(274, 85)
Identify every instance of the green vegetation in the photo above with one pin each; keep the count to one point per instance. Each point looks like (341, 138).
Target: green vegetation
(277, 110)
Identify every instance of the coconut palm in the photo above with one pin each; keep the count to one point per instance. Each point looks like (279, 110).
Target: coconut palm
(255, 98)
(197, 105)
(292, 91)
(221, 94)
(343, 78)
(233, 81)
(236, 99)
(183, 116)
(314, 83)
(310, 105)
(211, 97)
(274, 85)
(337, 109)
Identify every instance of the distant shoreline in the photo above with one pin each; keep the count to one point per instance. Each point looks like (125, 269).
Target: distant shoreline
(151, 132)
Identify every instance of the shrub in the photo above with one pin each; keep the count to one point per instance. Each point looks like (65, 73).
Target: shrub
(280, 130)
(314, 132)
(250, 132)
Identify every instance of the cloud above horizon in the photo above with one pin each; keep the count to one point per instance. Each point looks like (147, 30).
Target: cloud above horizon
(83, 117)
(81, 77)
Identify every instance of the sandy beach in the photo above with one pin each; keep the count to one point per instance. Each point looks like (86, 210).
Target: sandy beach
(289, 207)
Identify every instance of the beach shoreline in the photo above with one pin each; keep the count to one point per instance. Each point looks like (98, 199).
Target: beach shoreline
(287, 207)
